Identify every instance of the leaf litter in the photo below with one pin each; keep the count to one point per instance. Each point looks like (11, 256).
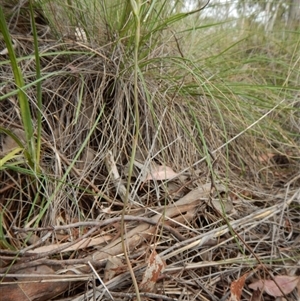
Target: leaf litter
(279, 285)
(196, 254)
(152, 273)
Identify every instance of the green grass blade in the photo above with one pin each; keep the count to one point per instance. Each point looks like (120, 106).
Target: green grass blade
(19, 81)
(38, 88)
(10, 156)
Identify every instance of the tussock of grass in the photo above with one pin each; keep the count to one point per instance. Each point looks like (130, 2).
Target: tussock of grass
(224, 118)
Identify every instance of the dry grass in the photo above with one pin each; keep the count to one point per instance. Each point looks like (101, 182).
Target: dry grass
(78, 197)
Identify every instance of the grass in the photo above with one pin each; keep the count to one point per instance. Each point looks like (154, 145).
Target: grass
(94, 97)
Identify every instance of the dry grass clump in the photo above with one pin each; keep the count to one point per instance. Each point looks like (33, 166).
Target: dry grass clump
(224, 214)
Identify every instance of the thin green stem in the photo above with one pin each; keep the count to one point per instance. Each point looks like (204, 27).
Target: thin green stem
(136, 5)
(38, 89)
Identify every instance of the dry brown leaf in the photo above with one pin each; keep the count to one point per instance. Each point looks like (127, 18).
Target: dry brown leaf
(298, 288)
(256, 296)
(9, 143)
(223, 206)
(114, 266)
(31, 287)
(161, 172)
(236, 288)
(136, 236)
(174, 189)
(265, 157)
(87, 157)
(286, 283)
(155, 267)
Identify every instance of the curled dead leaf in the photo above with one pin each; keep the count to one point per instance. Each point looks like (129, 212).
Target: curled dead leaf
(236, 288)
(155, 267)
